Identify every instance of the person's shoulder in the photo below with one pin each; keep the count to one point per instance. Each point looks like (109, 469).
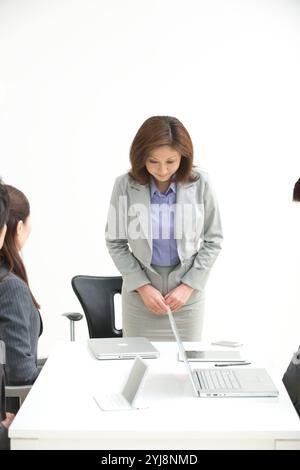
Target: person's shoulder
(201, 176)
(200, 173)
(9, 281)
(124, 180)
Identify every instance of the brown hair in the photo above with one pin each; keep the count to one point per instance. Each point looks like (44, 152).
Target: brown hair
(155, 132)
(296, 192)
(19, 209)
(4, 205)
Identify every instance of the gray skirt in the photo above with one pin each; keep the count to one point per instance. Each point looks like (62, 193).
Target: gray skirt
(137, 320)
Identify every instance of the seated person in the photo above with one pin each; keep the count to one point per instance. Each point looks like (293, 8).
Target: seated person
(4, 211)
(20, 321)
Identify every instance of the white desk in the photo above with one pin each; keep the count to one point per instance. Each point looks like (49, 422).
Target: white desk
(60, 413)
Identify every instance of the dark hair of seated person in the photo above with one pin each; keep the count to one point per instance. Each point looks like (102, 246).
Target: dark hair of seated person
(296, 192)
(19, 209)
(4, 205)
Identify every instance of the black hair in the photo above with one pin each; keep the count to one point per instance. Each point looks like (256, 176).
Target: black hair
(296, 192)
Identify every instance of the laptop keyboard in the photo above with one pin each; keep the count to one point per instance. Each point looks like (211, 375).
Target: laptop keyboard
(217, 379)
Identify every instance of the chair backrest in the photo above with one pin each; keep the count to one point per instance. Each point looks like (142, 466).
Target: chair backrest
(2, 381)
(96, 295)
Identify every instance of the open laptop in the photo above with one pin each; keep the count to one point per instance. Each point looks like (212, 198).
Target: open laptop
(122, 348)
(225, 383)
(125, 399)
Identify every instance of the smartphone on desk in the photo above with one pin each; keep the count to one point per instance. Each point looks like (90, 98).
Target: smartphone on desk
(213, 356)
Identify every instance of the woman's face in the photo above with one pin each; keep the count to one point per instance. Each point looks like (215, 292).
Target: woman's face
(22, 233)
(163, 162)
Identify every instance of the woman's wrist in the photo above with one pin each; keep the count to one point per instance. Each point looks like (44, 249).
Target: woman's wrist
(142, 288)
(189, 287)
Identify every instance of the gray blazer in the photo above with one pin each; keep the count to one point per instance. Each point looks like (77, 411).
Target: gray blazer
(20, 327)
(198, 231)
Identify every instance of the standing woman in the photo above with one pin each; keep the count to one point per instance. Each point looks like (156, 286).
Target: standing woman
(20, 321)
(163, 233)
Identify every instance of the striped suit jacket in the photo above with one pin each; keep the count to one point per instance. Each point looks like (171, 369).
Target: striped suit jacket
(20, 327)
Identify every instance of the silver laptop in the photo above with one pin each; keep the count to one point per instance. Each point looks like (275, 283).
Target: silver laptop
(122, 348)
(225, 383)
(125, 399)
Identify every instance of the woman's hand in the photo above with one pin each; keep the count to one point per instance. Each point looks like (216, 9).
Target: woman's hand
(153, 299)
(177, 297)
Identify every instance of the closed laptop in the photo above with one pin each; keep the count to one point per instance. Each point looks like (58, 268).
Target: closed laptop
(122, 348)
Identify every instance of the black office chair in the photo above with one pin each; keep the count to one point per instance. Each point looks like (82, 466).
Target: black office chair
(96, 295)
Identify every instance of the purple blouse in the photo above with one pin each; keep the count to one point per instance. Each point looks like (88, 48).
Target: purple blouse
(164, 246)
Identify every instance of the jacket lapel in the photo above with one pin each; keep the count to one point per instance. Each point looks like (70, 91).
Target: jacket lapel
(185, 200)
(140, 207)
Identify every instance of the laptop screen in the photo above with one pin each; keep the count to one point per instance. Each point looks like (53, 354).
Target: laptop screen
(181, 348)
(134, 379)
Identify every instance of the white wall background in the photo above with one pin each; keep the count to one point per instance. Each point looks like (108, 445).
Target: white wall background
(77, 79)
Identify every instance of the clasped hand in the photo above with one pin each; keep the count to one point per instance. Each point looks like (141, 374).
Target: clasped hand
(158, 304)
